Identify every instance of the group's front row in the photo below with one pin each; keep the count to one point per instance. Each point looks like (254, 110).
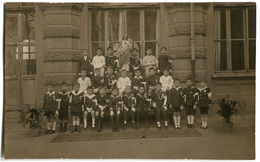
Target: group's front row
(132, 102)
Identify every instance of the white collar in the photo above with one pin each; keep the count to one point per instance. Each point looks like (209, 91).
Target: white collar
(74, 92)
(52, 93)
(140, 77)
(90, 96)
(177, 88)
(201, 89)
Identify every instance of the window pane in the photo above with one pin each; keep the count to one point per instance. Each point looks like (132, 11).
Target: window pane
(237, 31)
(223, 56)
(113, 26)
(252, 22)
(238, 60)
(97, 26)
(29, 66)
(11, 63)
(150, 24)
(133, 24)
(151, 45)
(28, 31)
(11, 27)
(95, 46)
(252, 48)
(223, 24)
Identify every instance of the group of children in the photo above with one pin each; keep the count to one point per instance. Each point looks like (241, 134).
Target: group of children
(99, 91)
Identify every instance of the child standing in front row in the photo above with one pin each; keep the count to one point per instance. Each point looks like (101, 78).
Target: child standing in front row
(123, 81)
(76, 102)
(99, 61)
(149, 61)
(115, 108)
(204, 102)
(50, 105)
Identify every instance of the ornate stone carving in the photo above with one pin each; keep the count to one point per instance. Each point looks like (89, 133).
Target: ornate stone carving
(61, 55)
(61, 31)
(185, 52)
(184, 29)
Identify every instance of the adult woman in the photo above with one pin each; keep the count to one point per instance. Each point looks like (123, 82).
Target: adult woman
(124, 53)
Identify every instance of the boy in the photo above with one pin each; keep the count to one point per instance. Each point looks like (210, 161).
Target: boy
(50, 105)
(63, 104)
(76, 102)
(102, 101)
(164, 62)
(166, 80)
(99, 61)
(137, 80)
(89, 105)
(175, 102)
(204, 102)
(152, 79)
(135, 62)
(111, 60)
(159, 100)
(110, 79)
(142, 105)
(123, 81)
(129, 105)
(149, 61)
(85, 63)
(190, 97)
(115, 107)
(84, 81)
(98, 80)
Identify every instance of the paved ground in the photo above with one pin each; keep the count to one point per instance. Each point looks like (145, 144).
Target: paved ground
(214, 144)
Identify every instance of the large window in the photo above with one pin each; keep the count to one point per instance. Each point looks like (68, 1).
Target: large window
(235, 38)
(109, 26)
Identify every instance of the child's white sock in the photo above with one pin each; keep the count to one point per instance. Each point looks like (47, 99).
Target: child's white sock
(48, 125)
(74, 122)
(188, 119)
(158, 123)
(175, 120)
(192, 119)
(125, 122)
(206, 120)
(54, 125)
(93, 122)
(179, 120)
(202, 120)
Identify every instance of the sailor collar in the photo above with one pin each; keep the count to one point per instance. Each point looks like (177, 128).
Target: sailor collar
(129, 96)
(201, 89)
(52, 93)
(90, 96)
(176, 88)
(74, 92)
(140, 77)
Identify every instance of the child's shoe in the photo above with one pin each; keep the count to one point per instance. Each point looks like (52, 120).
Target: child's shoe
(47, 131)
(61, 127)
(85, 127)
(64, 128)
(77, 129)
(74, 130)
(166, 124)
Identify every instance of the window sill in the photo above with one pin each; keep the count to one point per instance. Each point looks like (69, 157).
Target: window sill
(236, 74)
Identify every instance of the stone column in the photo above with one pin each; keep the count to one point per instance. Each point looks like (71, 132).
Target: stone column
(179, 40)
(61, 37)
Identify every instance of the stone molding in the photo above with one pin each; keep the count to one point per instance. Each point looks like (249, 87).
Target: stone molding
(57, 79)
(61, 55)
(185, 52)
(61, 31)
(184, 29)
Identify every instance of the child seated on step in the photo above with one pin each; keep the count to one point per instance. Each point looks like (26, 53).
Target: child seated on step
(123, 81)
(115, 107)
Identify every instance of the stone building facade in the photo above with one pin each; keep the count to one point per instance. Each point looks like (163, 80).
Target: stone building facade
(58, 32)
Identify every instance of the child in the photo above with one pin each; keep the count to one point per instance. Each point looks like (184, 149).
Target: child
(164, 62)
(98, 80)
(123, 81)
(111, 60)
(99, 61)
(102, 101)
(142, 105)
(50, 105)
(204, 102)
(84, 81)
(75, 107)
(166, 80)
(129, 105)
(135, 62)
(137, 80)
(115, 107)
(190, 100)
(152, 79)
(89, 105)
(63, 104)
(110, 79)
(149, 61)
(85, 63)
(175, 102)
(159, 100)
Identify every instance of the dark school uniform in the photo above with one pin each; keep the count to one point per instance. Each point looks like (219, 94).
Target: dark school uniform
(135, 62)
(190, 98)
(116, 104)
(164, 62)
(152, 80)
(111, 61)
(76, 102)
(129, 102)
(175, 98)
(160, 99)
(204, 100)
(136, 82)
(64, 105)
(50, 101)
(142, 105)
(85, 64)
(110, 82)
(102, 100)
(90, 101)
(98, 81)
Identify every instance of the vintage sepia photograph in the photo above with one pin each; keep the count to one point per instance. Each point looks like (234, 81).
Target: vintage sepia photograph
(110, 80)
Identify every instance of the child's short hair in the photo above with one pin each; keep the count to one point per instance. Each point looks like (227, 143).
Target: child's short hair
(99, 48)
(134, 49)
(76, 84)
(167, 69)
(159, 83)
(176, 80)
(141, 86)
(152, 69)
(127, 87)
(84, 49)
(203, 81)
(97, 69)
(123, 70)
(110, 67)
(90, 87)
(115, 89)
(83, 70)
(148, 48)
(137, 70)
(164, 48)
(109, 48)
(188, 79)
(101, 87)
(63, 83)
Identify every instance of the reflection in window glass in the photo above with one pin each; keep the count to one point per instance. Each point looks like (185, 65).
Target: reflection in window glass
(237, 31)
(252, 48)
(113, 25)
(11, 27)
(133, 24)
(223, 24)
(97, 26)
(252, 22)
(238, 60)
(11, 63)
(223, 55)
(150, 24)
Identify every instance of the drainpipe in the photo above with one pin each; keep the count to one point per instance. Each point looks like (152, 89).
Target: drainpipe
(192, 42)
